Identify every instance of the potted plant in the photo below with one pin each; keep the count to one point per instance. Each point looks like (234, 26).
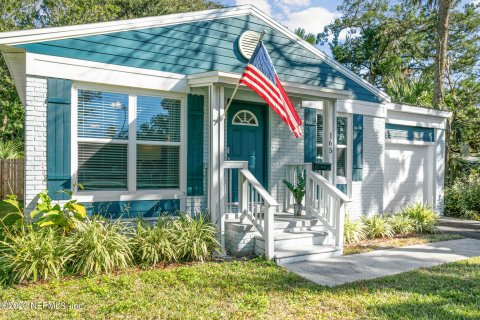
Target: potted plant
(298, 191)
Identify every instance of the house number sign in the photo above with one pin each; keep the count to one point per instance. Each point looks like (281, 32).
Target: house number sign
(330, 143)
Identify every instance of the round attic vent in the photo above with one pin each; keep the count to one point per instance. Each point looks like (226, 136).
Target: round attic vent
(247, 43)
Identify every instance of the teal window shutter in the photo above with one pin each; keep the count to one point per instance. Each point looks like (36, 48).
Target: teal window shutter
(58, 137)
(357, 147)
(310, 137)
(195, 145)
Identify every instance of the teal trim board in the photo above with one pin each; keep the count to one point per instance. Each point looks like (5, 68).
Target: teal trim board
(410, 133)
(203, 46)
(133, 209)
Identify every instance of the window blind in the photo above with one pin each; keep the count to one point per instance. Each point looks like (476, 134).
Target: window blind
(158, 119)
(158, 167)
(102, 166)
(102, 115)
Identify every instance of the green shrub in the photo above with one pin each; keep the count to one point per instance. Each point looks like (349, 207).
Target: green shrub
(98, 246)
(462, 199)
(352, 230)
(152, 245)
(377, 226)
(11, 216)
(47, 214)
(402, 224)
(424, 218)
(195, 237)
(32, 254)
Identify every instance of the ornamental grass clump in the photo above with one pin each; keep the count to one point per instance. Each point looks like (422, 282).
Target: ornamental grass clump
(31, 254)
(154, 244)
(98, 246)
(402, 224)
(352, 230)
(195, 237)
(377, 226)
(423, 216)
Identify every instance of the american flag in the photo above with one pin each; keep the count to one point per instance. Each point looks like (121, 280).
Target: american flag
(260, 76)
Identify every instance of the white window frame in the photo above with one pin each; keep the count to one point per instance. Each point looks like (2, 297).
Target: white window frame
(131, 194)
(348, 166)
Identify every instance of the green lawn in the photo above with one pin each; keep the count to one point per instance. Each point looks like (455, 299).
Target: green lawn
(397, 241)
(256, 289)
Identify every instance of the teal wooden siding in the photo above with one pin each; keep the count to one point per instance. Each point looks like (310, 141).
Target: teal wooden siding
(310, 135)
(58, 137)
(195, 145)
(202, 46)
(357, 171)
(400, 132)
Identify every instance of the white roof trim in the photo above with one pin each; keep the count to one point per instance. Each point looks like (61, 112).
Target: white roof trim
(48, 34)
(418, 110)
(231, 79)
(56, 33)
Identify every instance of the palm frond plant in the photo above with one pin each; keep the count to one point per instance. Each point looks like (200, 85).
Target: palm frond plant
(298, 190)
(11, 149)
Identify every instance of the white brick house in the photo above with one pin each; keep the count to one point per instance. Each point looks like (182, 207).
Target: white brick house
(133, 111)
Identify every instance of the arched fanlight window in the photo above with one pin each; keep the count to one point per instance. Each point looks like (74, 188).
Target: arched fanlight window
(245, 118)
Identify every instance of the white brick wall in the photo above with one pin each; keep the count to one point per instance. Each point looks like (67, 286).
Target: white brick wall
(35, 140)
(367, 195)
(284, 149)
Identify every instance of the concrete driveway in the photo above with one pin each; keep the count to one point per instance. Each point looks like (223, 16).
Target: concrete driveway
(380, 263)
(466, 228)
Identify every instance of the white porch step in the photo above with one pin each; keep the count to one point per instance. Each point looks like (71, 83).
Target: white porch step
(294, 240)
(306, 253)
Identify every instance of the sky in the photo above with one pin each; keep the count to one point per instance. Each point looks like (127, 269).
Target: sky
(312, 15)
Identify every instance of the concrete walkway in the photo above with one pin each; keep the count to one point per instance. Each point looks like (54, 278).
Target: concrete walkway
(380, 263)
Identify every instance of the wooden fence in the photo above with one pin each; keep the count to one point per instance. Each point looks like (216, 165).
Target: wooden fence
(12, 178)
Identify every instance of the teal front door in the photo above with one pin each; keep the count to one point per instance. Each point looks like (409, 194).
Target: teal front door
(246, 132)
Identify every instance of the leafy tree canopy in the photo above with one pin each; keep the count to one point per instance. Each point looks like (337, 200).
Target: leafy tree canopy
(392, 44)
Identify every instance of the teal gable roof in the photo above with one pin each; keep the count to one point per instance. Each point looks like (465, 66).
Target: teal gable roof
(202, 46)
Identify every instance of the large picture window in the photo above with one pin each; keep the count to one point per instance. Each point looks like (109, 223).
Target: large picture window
(108, 152)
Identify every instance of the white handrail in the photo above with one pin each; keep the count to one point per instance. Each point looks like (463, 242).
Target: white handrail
(257, 186)
(324, 201)
(254, 202)
(327, 185)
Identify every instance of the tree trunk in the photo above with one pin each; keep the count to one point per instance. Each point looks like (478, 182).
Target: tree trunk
(441, 59)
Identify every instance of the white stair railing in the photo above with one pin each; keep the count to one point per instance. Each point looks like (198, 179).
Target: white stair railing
(324, 201)
(254, 202)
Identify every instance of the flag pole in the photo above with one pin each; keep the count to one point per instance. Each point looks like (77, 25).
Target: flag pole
(238, 84)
